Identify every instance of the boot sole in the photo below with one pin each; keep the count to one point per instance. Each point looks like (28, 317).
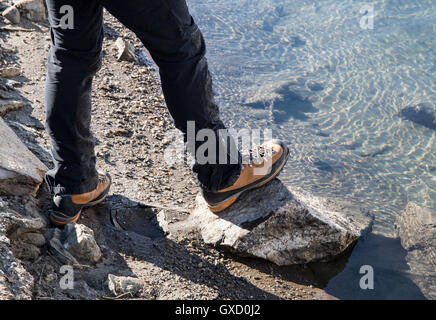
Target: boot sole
(231, 200)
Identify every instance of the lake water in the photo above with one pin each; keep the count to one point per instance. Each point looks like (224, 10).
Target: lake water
(335, 92)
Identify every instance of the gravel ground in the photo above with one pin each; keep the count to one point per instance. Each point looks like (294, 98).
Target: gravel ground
(130, 120)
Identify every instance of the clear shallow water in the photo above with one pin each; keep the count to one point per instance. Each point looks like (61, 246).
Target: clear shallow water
(334, 91)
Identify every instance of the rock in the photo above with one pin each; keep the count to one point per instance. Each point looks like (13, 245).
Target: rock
(34, 10)
(56, 247)
(34, 238)
(25, 251)
(416, 228)
(124, 285)
(21, 172)
(10, 105)
(14, 224)
(125, 50)
(81, 243)
(15, 282)
(421, 114)
(10, 72)
(12, 14)
(280, 224)
(82, 291)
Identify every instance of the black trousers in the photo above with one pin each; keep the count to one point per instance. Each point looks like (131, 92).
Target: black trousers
(175, 43)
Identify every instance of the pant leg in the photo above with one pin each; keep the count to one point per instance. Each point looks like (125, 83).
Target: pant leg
(177, 46)
(74, 57)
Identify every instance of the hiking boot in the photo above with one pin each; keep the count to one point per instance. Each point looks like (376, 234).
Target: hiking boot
(271, 158)
(67, 207)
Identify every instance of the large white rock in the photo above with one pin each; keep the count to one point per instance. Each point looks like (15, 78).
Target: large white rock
(21, 172)
(279, 224)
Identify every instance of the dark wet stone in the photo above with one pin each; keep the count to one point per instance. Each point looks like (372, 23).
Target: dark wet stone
(375, 153)
(289, 105)
(314, 86)
(297, 42)
(324, 166)
(322, 134)
(421, 114)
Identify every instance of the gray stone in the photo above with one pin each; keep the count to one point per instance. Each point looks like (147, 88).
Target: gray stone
(416, 227)
(280, 224)
(10, 105)
(81, 243)
(14, 224)
(15, 281)
(56, 248)
(34, 10)
(21, 172)
(34, 238)
(10, 72)
(125, 50)
(124, 285)
(25, 251)
(12, 14)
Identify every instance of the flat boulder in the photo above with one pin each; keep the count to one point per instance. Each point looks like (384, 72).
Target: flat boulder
(21, 172)
(281, 224)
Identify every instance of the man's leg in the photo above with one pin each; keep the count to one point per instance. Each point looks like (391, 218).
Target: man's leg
(177, 46)
(74, 57)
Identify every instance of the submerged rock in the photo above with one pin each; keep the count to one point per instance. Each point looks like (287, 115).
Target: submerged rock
(420, 114)
(280, 224)
(21, 172)
(416, 228)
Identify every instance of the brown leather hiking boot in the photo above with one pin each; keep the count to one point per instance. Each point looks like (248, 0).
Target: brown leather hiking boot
(68, 207)
(272, 158)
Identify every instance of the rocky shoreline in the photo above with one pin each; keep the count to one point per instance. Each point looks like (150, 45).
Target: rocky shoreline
(133, 245)
(129, 122)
